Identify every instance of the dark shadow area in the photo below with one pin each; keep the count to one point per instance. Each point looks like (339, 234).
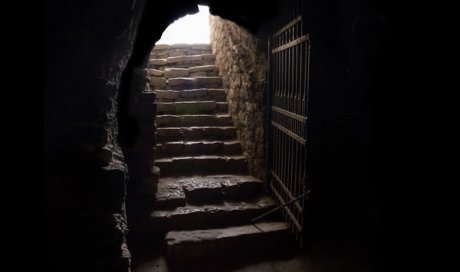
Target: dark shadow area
(338, 256)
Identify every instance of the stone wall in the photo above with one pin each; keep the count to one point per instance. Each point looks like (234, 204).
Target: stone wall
(244, 71)
(85, 173)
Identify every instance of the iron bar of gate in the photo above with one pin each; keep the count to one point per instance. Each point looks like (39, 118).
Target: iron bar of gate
(287, 119)
(290, 44)
(289, 133)
(285, 189)
(279, 207)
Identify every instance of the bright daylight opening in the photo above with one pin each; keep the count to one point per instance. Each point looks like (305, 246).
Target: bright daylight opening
(188, 29)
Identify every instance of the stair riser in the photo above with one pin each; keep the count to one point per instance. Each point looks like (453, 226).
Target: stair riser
(192, 121)
(157, 83)
(173, 50)
(167, 150)
(205, 220)
(186, 73)
(187, 64)
(217, 95)
(203, 166)
(218, 250)
(192, 108)
(167, 134)
(221, 98)
(164, 54)
(215, 195)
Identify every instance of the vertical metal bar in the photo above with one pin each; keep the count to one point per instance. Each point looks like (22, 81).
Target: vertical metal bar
(284, 72)
(288, 79)
(278, 72)
(308, 74)
(268, 138)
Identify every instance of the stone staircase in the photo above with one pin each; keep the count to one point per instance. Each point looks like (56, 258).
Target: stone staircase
(205, 197)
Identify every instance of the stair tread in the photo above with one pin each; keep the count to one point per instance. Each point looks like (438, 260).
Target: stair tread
(167, 159)
(186, 56)
(197, 127)
(189, 90)
(212, 119)
(193, 68)
(202, 147)
(175, 191)
(221, 115)
(196, 133)
(192, 107)
(189, 102)
(196, 236)
(262, 202)
(204, 141)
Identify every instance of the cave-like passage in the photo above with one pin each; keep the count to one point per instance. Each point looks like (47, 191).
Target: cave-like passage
(205, 190)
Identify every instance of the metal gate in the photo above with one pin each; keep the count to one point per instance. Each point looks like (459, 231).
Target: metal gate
(289, 60)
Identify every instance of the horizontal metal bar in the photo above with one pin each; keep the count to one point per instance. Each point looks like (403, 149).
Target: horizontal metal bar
(290, 114)
(280, 199)
(277, 208)
(288, 25)
(289, 133)
(291, 44)
(291, 197)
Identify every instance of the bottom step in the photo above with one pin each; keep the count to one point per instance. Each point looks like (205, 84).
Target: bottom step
(198, 247)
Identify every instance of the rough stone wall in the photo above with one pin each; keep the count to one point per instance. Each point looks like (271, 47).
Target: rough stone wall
(85, 173)
(244, 71)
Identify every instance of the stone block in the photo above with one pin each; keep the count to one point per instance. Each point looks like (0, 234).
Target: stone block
(180, 82)
(158, 82)
(199, 190)
(158, 61)
(165, 107)
(155, 72)
(176, 72)
(167, 95)
(194, 93)
(168, 120)
(203, 68)
(168, 132)
(161, 47)
(198, 74)
(195, 107)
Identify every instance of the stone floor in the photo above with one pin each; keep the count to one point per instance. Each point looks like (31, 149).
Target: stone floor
(326, 258)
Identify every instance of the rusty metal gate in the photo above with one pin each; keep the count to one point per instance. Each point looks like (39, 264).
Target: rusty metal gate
(289, 60)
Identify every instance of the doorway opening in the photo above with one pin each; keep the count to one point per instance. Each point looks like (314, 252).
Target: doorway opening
(190, 29)
(209, 144)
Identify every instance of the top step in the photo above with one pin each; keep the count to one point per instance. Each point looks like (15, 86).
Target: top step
(163, 51)
(182, 61)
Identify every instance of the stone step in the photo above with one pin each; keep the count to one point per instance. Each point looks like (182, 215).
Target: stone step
(203, 94)
(190, 148)
(181, 46)
(181, 83)
(195, 133)
(227, 213)
(202, 164)
(173, 192)
(231, 244)
(182, 61)
(194, 120)
(164, 50)
(191, 107)
(195, 71)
